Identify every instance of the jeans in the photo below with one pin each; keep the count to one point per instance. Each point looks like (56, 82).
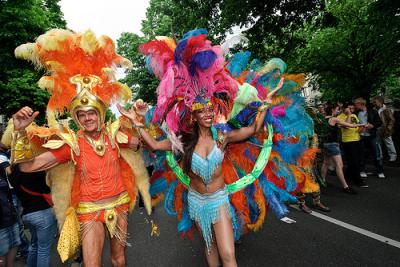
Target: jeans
(389, 145)
(370, 143)
(23, 249)
(43, 227)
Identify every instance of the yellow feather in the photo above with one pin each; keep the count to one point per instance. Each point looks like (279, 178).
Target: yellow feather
(126, 63)
(110, 73)
(6, 139)
(46, 83)
(28, 52)
(135, 161)
(168, 40)
(60, 179)
(89, 42)
(126, 92)
(50, 40)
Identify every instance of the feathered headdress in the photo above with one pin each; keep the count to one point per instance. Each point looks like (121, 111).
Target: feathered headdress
(80, 71)
(192, 74)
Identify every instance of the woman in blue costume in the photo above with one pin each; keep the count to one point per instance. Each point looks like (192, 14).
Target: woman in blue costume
(208, 199)
(217, 127)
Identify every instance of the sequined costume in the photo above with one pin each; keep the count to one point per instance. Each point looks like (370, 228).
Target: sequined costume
(95, 179)
(260, 172)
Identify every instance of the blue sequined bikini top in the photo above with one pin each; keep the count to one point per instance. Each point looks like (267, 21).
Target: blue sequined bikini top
(205, 167)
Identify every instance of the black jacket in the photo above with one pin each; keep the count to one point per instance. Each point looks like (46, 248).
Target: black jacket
(374, 119)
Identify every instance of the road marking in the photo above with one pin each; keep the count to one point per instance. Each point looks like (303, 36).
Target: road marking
(351, 227)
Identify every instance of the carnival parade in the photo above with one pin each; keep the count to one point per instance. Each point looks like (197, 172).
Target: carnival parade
(227, 151)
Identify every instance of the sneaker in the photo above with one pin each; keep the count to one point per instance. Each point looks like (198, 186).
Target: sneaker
(392, 158)
(361, 183)
(287, 220)
(363, 175)
(381, 176)
(349, 190)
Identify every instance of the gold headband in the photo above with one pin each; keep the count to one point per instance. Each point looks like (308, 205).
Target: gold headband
(198, 105)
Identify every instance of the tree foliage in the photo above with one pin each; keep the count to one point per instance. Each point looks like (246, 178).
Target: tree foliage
(22, 21)
(357, 53)
(269, 27)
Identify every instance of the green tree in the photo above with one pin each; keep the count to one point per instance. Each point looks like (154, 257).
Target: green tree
(270, 24)
(163, 18)
(22, 21)
(142, 83)
(356, 54)
(269, 28)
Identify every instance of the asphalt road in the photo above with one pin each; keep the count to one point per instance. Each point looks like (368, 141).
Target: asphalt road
(310, 242)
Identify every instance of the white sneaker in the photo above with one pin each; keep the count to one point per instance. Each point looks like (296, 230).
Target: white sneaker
(392, 158)
(381, 175)
(363, 175)
(287, 220)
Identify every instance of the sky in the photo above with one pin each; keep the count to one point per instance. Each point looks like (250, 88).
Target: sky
(105, 17)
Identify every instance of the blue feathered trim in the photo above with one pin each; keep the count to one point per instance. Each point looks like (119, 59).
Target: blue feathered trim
(180, 47)
(237, 223)
(287, 174)
(296, 121)
(224, 127)
(255, 64)
(148, 65)
(169, 199)
(195, 32)
(149, 116)
(238, 63)
(290, 152)
(254, 210)
(185, 224)
(158, 186)
(179, 50)
(275, 196)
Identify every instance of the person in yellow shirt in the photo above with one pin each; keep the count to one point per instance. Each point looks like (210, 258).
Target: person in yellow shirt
(351, 145)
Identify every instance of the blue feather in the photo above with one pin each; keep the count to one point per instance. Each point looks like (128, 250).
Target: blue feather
(202, 60)
(169, 199)
(185, 223)
(237, 223)
(238, 63)
(195, 32)
(255, 64)
(158, 186)
(148, 64)
(276, 197)
(180, 47)
(254, 210)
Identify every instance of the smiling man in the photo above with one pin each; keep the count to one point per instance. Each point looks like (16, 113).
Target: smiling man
(106, 171)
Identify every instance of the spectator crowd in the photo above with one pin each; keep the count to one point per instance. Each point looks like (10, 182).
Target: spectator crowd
(354, 133)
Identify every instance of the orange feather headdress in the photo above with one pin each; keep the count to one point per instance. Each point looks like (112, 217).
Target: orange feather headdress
(80, 71)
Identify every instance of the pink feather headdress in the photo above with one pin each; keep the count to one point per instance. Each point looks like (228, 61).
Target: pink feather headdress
(189, 70)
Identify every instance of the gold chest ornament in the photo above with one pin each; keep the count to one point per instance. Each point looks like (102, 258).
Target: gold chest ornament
(99, 146)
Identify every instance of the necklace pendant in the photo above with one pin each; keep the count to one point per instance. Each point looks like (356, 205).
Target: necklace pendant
(100, 149)
(98, 146)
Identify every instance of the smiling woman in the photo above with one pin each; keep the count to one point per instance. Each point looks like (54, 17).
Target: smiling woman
(129, 14)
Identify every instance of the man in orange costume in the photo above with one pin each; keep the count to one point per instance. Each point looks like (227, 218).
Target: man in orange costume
(105, 174)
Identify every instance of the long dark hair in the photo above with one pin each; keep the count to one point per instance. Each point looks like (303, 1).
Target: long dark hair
(189, 143)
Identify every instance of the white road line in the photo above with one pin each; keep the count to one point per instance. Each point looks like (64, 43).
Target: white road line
(351, 227)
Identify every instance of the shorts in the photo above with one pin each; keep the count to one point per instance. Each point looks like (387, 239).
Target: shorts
(9, 238)
(331, 149)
